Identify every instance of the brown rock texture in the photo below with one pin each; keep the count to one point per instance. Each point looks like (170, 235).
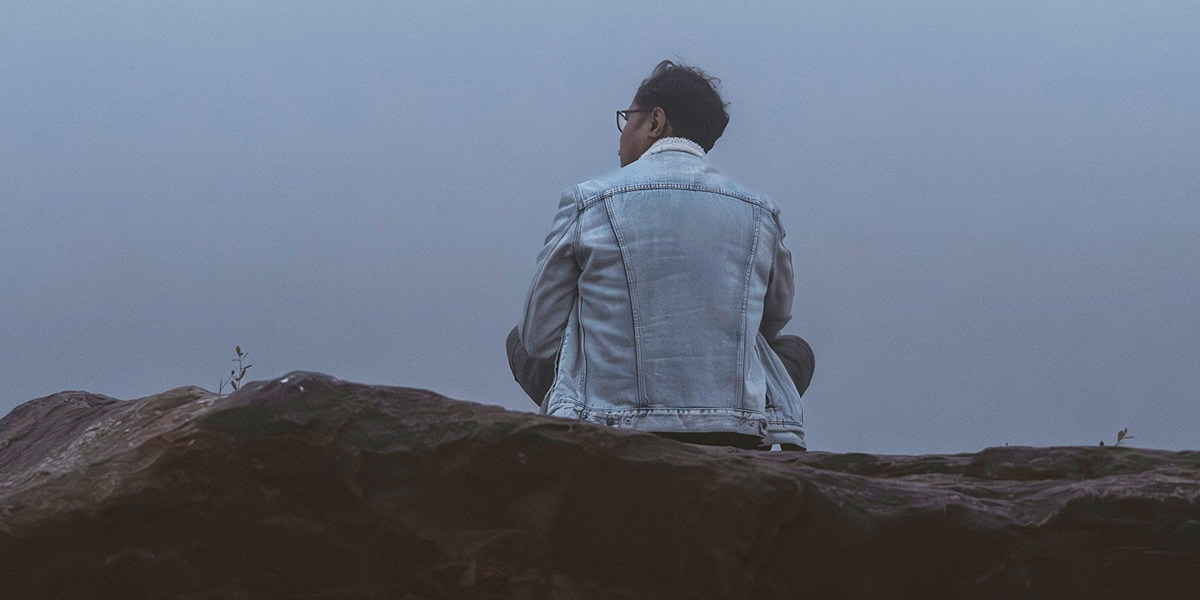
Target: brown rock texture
(310, 487)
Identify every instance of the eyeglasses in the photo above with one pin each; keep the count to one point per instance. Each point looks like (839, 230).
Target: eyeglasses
(623, 116)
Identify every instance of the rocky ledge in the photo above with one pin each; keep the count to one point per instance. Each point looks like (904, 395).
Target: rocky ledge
(311, 487)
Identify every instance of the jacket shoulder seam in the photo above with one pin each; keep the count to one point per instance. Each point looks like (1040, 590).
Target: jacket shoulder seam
(586, 201)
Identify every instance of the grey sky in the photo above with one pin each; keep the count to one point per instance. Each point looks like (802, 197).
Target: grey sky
(994, 208)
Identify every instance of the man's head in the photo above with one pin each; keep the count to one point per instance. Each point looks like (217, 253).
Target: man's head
(674, 101)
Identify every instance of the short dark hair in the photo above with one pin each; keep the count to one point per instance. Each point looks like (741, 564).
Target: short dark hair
(690, 99)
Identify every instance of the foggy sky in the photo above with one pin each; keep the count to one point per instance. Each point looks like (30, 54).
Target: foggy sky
(994, 211)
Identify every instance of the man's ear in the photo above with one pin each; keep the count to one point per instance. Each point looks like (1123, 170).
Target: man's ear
(660, 127)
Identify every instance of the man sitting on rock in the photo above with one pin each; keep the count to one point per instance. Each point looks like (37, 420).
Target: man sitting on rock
(662, 288)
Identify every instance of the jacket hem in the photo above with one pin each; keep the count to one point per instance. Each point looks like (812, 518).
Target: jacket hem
(669, 420)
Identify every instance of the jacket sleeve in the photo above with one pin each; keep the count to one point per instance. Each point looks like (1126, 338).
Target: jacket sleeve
(777, 305)
(552, 292)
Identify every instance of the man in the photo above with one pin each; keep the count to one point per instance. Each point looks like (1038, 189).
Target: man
(661, 289)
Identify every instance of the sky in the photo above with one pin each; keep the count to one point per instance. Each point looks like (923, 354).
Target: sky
(993, 208)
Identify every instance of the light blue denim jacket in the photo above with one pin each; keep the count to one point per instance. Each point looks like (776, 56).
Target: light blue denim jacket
(658, 287)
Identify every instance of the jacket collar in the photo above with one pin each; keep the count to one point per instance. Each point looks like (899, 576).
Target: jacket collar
(677, 144)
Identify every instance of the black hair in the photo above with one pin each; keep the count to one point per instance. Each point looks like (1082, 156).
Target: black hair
(690, 99)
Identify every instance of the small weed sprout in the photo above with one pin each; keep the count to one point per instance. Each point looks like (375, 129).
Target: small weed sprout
(236, 374)
(1122, 435)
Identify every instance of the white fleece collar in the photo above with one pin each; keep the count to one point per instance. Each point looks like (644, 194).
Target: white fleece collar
(675, 143)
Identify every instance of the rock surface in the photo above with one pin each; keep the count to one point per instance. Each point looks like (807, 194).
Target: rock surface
(310, 487)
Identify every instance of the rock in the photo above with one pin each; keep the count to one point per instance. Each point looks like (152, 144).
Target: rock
(310, 487)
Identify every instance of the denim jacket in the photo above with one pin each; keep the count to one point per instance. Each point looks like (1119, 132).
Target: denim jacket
(658, 288)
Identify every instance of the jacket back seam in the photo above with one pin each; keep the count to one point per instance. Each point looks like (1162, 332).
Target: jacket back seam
(631, 281)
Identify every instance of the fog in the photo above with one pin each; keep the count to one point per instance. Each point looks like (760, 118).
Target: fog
(994, 212)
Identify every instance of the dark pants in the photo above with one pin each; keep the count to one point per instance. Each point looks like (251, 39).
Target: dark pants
(536, 375)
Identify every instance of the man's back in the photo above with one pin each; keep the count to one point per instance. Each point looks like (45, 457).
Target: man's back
(661, 290)
(676, 271)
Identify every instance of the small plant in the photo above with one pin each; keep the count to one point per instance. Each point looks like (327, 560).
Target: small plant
(1121, 436)
(236, 374)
